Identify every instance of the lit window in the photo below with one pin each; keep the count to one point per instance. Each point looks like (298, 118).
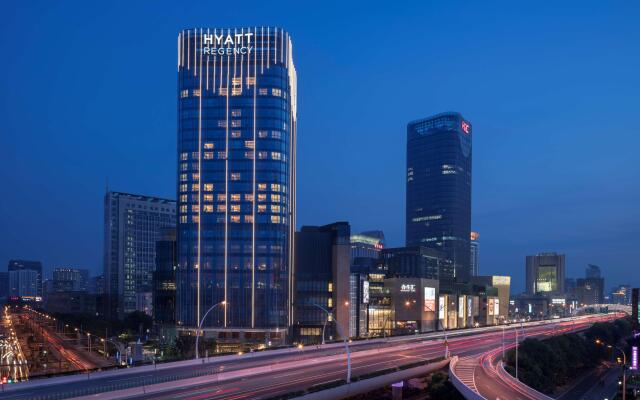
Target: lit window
(235, 218)
(275, 208)
(183, 177)
(262, 134)
(248, 218)
(248, 155)
(263, 91)
(275, 219)
(262, 186)
(184, 156)
(275, 198)
(208, 146)
(248, 197)
(330, 288)
(276, 155)
(195, 188)
(183, 188)
(222, 208)
(195, 219)
(262, 197)
(222, 197)
(276, 134)
(195, 208)
(235, 197)
(208, 187)
(222, 123)
(251, 80)
(235, 134)
(236, 123)
(184, 93)
(183, 209)
(235, 176)
(262, 155)
(183, 198)
(276, 92)
(329, 302)
(208, 208)
(183, 219)
(262, 208)
(235, 208)
(184, 167)
(196, 92)
(208, 197)
(195, 177)
(248, 144)
(222, 155)
(275, 187)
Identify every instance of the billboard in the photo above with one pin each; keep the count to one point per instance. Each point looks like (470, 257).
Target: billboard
(365, 292)
(496, 307)
(634, 358)
(491, 306)
(461, 306)
(429, 299)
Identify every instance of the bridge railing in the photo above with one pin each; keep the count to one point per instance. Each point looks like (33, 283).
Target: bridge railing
(465, 390)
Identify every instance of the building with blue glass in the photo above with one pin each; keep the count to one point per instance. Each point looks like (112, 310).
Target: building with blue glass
(236, 183)
(438, 201)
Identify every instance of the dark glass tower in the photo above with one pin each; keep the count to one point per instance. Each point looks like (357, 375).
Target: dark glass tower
(236, 178)
(439, 188)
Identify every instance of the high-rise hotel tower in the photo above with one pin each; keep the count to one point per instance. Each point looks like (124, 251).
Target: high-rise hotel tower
(439, 188)
(236, 181)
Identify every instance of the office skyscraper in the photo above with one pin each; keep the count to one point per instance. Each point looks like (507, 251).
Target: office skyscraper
(25, 278)
(545, 274)
(439, 188)
(132, 225)
(236, 180)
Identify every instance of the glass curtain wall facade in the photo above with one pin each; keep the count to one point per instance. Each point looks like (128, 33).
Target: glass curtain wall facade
(439, 188)
(236, 177)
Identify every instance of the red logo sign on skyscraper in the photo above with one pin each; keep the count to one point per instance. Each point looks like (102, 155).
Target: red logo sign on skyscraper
(466, 128)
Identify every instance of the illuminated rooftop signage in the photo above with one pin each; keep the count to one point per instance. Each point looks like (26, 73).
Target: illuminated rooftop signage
(466, 127)
(236, 43)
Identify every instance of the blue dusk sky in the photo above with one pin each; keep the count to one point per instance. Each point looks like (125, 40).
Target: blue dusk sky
(88, 95)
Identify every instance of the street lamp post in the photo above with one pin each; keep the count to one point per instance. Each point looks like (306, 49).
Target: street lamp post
(624, 365)
(346, 341)
(202, 321)
(516, 329)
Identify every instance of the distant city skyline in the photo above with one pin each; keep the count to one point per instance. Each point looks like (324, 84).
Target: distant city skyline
(554, 147)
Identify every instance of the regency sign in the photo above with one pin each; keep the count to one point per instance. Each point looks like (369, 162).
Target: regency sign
(229, 44)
